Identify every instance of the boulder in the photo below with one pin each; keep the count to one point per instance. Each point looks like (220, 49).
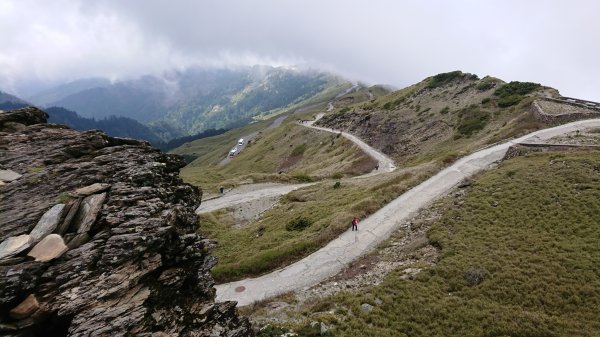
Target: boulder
(8, 175)
(47, 223)
(91, 189)
(366, 307)
(25, 308)
(14, 245)
(88, 211)
(51, 247)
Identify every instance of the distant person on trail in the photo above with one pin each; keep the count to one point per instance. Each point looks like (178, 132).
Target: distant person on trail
(355, 224)
(377, 167)
(221, 189)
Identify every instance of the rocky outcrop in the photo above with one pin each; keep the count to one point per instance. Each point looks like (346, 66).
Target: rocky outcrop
(98, 238)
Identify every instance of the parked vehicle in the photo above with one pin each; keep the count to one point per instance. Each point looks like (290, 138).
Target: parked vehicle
(241, 142)
(233, 152)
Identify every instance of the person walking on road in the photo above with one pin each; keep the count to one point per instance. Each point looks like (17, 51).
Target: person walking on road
(355, 224)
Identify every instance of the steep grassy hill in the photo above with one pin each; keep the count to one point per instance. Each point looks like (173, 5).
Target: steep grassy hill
(519, 257)
(443, 117)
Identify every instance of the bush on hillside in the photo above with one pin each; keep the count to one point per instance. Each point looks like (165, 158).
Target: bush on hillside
(512, 93)
(299, 150)
(511, 100)
(298, 224)
(485, 86)
(445, 78)
(472, 120)
(516, 88)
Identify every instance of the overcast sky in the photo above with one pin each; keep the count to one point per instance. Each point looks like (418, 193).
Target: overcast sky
(556, 43)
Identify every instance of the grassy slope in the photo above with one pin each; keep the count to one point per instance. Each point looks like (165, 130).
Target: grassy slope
(535, 237)
(265, 157)
(297, 151)
(433, 121)
(241, 252)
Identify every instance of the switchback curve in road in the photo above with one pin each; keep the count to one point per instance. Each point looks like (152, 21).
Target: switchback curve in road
(331, 259)
(233, 198)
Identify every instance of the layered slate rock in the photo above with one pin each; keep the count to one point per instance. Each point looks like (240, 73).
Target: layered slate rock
(135, 264)
(51, 247)
(47, 223)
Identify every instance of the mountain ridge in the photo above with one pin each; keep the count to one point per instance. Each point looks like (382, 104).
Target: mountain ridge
(182, 103)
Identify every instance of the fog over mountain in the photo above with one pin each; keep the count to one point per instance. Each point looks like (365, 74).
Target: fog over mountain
(45, 43)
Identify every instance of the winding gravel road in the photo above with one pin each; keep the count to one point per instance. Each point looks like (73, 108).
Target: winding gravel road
(233, 197)
(331, 259)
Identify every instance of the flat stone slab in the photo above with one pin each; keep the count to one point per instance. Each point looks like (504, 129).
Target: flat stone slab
(88, 211)
(92, 189)
(51, 247)
(14, 245)
(25, 308)
(9, 175)
(47, 223)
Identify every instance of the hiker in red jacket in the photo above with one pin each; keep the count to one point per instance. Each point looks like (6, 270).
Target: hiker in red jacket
(355, 224)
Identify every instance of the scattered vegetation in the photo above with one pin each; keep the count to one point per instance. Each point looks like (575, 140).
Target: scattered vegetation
(242, 252)
(472, 120)
(485, 86)
(518, 258)
(298, 224)
(445, 78)
(299, 153)
(63, 198)
(512, 93)
(299, 150)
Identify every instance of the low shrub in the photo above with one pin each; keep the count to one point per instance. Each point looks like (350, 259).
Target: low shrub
(485, 86)
(298, 224)
(472, 120)
(516, 88)
(299, 150)
(445, 78)
(505, 102)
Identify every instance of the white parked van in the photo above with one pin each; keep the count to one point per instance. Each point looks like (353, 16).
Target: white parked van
(241, 142)
(233, 152)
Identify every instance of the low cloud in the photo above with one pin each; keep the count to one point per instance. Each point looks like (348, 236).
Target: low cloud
(393, 42)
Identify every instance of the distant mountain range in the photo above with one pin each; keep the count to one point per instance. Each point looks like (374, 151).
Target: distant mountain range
(184, 103)
(10, 102)
(112, 125)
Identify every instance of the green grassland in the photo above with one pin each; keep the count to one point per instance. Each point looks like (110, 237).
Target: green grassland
(326, 209)
(519, 257)
(300, 153)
